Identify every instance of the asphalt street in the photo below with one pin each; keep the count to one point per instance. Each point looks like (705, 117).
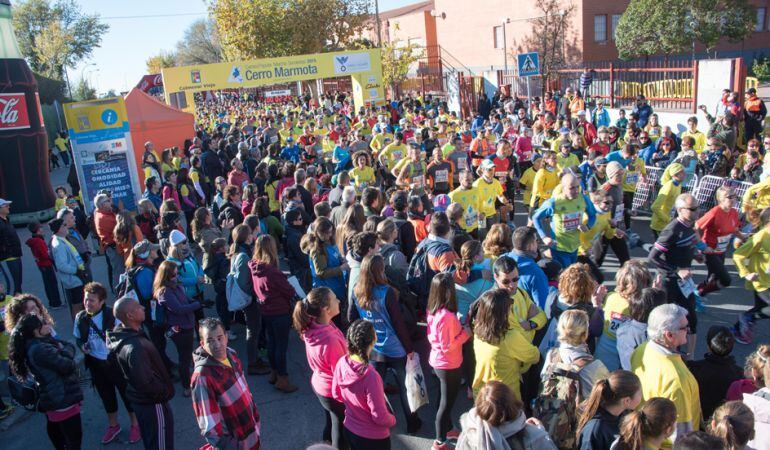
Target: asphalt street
(293, 421)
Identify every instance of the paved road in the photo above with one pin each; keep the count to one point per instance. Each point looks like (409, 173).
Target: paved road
(292, 421)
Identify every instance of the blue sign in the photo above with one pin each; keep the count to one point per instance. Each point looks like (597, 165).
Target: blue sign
(112, 174)
(529, 64)
(109, 116)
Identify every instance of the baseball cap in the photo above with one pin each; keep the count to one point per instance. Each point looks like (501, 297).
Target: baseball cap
(441, 202)
(600, 161)
(487, 164)
(176, 237)
(564, 130)
(4, 202)
(289, 139)
(142, 249)
(536, 156)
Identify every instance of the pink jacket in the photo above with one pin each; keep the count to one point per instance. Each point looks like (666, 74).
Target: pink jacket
(359, 387)
(324, 346)
(446, 336)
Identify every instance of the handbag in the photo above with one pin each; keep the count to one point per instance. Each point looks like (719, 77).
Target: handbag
(25, 393)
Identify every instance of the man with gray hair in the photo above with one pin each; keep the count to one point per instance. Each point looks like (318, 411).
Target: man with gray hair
(339, 211)
(677, 245)
(661, 370)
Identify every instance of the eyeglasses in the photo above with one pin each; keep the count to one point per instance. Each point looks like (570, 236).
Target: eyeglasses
(732, 197)
(693, 209)
(665, 145)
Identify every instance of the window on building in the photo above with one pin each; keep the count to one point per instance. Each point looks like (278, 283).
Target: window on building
(760, 19)
(600, 28)
(498, 36)
(615, 20)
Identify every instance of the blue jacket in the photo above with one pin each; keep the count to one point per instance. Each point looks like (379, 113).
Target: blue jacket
(600, 118)
(531, 277)
(617, 157)
(471, 291)
(646, 154)
(189, 272)
(290, 153)
(156, 199)
(644, 115)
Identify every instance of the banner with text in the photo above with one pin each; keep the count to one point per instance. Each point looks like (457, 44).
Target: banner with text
(103, 151)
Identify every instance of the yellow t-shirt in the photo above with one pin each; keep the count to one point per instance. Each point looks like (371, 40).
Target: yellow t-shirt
(601, 228)
(615, 313)
(61, 144)
(225, 362)
(393, 154)
(362, 177)
(633, 172)
(505, 361)
(469, 199)
(544, 184)
(520, 304)
(663, 204)
(562, 162)
(700, 140)
(379, 141)
(754, 257)
(488, 193)
(528, 180)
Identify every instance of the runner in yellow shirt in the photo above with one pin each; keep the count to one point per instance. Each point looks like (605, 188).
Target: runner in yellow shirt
(527, 180)
(362, 174)
(467, 196)
(489, 190)
(393, 153)
(546, 180)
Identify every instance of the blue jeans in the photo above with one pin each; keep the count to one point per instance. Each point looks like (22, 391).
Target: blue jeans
(277, 330)
(566, 259)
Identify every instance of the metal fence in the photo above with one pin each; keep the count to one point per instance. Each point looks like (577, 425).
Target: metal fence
(707, 188)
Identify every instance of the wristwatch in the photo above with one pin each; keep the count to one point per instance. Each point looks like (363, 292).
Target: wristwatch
(532, 324)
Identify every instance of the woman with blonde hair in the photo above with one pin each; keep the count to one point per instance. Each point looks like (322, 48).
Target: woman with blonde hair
(572, 330)
(733, 423)
(498, 241)
(759, 403)
(630, 280)
(352, 223)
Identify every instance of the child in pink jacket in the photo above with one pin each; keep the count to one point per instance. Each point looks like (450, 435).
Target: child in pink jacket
(324, 345)
(446, 336)
(358, 385)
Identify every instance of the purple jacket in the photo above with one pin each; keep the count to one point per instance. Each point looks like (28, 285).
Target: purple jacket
(179, 307)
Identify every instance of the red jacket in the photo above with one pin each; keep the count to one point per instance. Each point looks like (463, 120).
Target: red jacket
(272, 288)
(40, 251)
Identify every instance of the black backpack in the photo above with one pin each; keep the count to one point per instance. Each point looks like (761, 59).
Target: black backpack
(419, 275)
(127, 286)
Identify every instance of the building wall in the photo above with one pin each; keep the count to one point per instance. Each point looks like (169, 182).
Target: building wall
(408, 28)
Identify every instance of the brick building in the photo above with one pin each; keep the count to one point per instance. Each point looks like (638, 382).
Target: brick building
(471, 32)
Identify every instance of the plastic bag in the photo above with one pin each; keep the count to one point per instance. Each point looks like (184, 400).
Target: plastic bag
(416, 391)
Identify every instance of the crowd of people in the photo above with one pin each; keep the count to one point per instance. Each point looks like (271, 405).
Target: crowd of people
(379, 233)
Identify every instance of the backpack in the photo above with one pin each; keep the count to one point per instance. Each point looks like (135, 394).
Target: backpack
(127, 287)
(419, 275)
(557, 404)
(399, 223)
(236, 298)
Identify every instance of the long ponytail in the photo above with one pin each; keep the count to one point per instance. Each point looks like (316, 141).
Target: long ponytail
(309, 308)
(17, 346)
(608, 392)
(651, 421)
(733, 423)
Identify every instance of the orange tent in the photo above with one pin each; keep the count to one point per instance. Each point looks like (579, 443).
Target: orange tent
(151, 120)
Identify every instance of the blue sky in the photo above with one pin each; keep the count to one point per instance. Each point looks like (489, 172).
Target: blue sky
(130, 41)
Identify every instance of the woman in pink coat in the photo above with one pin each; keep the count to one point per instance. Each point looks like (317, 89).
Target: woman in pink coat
(446, 336)
(324, 345)
(357, 384)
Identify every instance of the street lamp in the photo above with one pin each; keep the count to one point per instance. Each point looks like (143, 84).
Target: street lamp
(505, 45)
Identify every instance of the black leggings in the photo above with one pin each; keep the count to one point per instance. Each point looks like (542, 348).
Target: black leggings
(67, 434)
(469, 362)
(449, 381)
(761, 309)
(335, 414)
(628, 203)
(362, 443)
(715, 263)
(106, 383)
(398, 366)
(619, 247)
(595, 272)
(183, 341)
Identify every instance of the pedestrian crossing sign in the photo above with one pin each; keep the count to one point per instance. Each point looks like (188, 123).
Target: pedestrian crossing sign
(529, 64)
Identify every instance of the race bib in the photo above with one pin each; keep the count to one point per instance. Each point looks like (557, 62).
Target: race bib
(462, 163)
(418, 181)
(471, 218)
(618, 217)
(687, 286)
(501, 175)
(723, 242)
(571, 221)
(442, 176)
(632, 178)
(397, 155)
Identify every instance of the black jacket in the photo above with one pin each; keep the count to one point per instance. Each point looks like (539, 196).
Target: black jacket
(307, 201)
(148, 381)
(600, 432)
(406, 239)
(229, 211)
(217, 269)
(211, 165)
(52, 363)
(298, 260)
(714, 374)
(10, 244)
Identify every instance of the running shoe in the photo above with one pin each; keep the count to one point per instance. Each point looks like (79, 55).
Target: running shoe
(744, 329)
(110, 434)
(440, 446)
(452, 435)
(134, 435)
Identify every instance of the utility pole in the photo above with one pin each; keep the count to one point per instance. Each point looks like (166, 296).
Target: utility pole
(377, 18)
(505, 46)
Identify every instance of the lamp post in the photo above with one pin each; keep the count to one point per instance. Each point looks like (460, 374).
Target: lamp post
(505, 45)
(377, 18)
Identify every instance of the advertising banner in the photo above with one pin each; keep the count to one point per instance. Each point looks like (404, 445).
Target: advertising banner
(103, 152)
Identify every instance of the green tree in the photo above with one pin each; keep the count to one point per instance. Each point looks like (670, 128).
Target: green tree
(83, 91)
(650, 27)
(55, 34)
(251, 29)
(160, 61)
(200, 44)
(549, 37)
(397, 59)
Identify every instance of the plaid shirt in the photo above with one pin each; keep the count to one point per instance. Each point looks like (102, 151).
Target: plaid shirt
(223, 405)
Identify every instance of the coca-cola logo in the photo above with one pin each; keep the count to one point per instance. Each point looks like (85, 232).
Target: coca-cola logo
(13, 112)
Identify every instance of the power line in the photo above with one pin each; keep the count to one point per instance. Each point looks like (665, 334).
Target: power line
(151, 16)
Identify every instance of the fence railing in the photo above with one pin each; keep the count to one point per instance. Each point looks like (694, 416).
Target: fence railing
(703, 188)
(668, 86)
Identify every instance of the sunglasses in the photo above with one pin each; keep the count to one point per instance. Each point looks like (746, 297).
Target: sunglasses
(693, 209)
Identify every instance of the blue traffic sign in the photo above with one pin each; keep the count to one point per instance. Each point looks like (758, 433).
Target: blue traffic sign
(529, 64)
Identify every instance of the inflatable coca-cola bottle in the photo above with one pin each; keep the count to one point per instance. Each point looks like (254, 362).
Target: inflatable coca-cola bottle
(24, 177)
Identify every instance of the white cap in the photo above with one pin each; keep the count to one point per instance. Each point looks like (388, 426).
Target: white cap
(176, 237)
(4, 202)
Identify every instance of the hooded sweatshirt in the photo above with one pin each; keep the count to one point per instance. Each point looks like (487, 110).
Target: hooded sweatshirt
(273, 290)
(480, 435)
(360, 388)
(446, 336)
(40, 251)
(324, 346)
(759, 402)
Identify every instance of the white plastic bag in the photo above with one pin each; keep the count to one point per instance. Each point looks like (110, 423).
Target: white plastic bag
(416, 391)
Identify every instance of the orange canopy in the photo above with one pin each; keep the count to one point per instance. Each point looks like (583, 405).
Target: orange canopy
(151, 120)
